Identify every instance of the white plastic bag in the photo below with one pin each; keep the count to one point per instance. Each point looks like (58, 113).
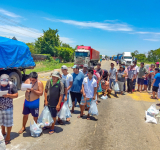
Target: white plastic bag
(35, 130)
(93, 108)
(150, 118)
(116, 87)
(70, 101)
(45, 118)
(2, 142)
(64, 113)
(104, 97)
(152, 110)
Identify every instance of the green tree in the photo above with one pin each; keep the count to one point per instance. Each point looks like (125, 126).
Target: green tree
(135, 53)
(31, 47)
(46, 43)
(65, 53)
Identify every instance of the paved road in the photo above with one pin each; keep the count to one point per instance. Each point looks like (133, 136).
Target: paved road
(119, 126)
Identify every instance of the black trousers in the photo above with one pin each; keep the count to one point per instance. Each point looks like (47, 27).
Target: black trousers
(130, 85)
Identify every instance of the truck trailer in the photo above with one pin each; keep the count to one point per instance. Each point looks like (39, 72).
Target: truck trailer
(86, 55)
(15, 58)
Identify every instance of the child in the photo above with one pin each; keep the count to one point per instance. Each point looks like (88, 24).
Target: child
(145, 82)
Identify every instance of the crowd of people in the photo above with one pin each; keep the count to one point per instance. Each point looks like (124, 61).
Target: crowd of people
(83, 85)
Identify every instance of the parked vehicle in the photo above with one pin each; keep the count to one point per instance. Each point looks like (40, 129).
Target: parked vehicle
(86, 55)
(119, 57)
(114, 58)
(15, 58)
(127, 58)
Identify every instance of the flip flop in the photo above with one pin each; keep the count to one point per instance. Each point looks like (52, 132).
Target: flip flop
(60, 122)
(158, 104)
(51, 131)
(21, 131)
(152, 97)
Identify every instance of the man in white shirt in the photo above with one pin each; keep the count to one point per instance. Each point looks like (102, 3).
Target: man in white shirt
(69, 80)
(137, 71)
(89, 89)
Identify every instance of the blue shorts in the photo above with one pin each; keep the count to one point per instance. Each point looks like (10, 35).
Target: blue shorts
(140, 81)
(145, 82)
(31, 107)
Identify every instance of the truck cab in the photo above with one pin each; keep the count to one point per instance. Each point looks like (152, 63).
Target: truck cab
(127, 58)
(82, 56)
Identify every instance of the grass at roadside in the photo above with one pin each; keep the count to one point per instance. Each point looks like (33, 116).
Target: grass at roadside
(45, 66)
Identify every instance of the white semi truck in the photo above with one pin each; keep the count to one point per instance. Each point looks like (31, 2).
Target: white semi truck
(127, 58)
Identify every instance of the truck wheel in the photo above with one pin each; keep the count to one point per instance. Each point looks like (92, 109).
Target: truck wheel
(14, 77)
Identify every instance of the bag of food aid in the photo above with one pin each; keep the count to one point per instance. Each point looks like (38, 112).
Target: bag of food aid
(64, 113)
(152, 110)
(70, 102)
(2, 142)
(150, 118)
(45, 119)
(104, 97)
(35, 130)
(116, 87)
(93, 108)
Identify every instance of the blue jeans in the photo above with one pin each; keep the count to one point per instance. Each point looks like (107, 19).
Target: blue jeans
(111, 81)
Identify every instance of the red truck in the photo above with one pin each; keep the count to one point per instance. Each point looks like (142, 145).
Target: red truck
(86, 55)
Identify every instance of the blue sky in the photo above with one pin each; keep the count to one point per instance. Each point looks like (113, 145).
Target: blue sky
(110, 27)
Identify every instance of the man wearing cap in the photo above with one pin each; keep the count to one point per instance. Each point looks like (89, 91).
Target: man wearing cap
(32, 97)
(84, 70)
(141, 76)
(76, 86)
(112, 76)
(53, 95)
(69, 81)
(6, 105)
(157, 64)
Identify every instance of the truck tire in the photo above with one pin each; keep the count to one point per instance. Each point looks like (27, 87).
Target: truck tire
(14, 77)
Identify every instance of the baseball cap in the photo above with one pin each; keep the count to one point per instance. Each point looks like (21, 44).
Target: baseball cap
(4, 79)
(157, 63)
(56, 74)
(64, 67)
(85, 65)
(75, 66)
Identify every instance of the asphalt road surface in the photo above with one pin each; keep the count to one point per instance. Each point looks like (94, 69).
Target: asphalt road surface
(120, 125)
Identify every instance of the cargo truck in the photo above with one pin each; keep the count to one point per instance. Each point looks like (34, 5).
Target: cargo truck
(127, 58)
(86, 55)
(15, 58)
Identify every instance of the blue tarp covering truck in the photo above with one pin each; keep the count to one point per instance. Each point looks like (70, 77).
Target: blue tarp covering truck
(15, 58)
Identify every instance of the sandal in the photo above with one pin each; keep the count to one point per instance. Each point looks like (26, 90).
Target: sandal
(88, 118)
(21, 131)
(7, 142)
(51, 131)
(152, 97)
(60, 122)
(158, 104)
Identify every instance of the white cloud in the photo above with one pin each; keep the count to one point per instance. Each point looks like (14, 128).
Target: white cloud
(25, 34)
(66, 40)
(153, 40)
(154, 33)
(99, 25)
(9, 14)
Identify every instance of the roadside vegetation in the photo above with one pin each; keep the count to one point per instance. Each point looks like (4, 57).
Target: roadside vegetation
(48, 65)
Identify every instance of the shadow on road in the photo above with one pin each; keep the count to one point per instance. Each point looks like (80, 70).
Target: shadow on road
(14, 135)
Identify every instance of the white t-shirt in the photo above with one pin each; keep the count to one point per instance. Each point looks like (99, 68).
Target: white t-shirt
(89, 86)
(137, 69)
(113, 73)
(68, 79)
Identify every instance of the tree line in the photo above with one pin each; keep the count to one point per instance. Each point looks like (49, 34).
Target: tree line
(151, 56)
(50, 43)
